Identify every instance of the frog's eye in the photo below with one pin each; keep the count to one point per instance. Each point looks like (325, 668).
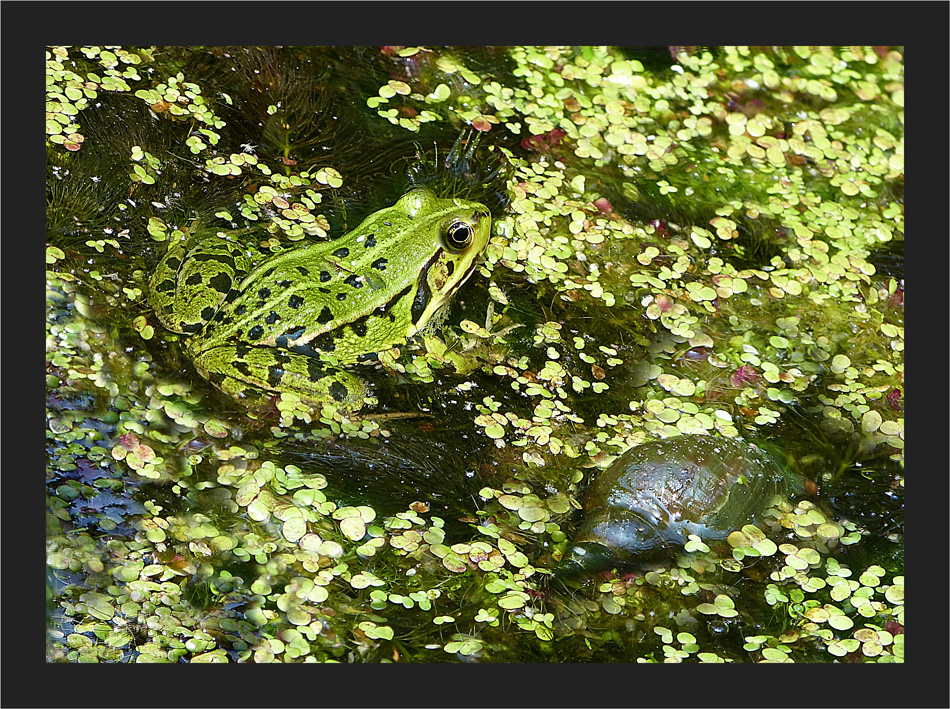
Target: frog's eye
(458, 235)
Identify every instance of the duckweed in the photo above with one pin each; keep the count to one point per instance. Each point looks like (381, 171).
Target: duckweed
(690, 250)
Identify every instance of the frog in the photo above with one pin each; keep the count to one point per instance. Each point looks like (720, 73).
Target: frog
(299, 321)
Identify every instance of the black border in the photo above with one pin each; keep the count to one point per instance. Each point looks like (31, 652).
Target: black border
(921, 27)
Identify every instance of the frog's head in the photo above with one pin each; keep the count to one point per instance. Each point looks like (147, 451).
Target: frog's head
(444, 238)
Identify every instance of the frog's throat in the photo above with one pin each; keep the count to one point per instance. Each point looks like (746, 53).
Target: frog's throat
(424, 305)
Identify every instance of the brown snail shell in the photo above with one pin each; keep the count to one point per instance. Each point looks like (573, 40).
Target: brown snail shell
(656, 494)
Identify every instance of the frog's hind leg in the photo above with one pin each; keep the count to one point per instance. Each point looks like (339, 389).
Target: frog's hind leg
(188, 286)
(244, 372)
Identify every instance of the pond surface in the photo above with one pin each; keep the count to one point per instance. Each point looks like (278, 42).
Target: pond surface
(684, 241)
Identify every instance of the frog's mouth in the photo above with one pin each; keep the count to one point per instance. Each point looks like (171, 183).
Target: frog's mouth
(468, 272)
(434, 278)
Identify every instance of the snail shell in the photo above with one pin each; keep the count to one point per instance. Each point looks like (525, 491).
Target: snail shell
(656, 494)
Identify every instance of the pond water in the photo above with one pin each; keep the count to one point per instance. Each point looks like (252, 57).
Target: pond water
(683, 241)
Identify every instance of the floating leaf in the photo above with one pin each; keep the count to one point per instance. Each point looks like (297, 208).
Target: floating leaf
(294, 529)
(353, 528)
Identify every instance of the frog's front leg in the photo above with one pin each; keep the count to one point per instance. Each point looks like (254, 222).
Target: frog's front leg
(243, 371)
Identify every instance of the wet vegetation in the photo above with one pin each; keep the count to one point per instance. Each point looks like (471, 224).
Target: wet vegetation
(686, 241)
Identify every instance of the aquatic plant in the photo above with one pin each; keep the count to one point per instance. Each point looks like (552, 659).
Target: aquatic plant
(686, 246)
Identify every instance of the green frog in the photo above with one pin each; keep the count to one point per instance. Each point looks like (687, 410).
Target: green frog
(293, 322)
